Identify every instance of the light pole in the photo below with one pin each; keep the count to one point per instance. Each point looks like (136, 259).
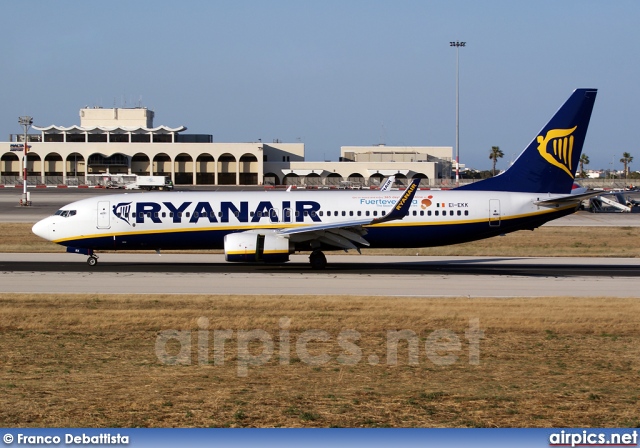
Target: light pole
(25, 122)
(457, 45)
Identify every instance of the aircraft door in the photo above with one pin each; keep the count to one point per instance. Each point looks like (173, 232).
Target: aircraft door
(494, 212)
(103, 215)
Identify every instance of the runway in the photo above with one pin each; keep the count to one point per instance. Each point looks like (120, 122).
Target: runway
(347, 275)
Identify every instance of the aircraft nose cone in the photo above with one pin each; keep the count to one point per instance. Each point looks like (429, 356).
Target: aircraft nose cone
(41, 228)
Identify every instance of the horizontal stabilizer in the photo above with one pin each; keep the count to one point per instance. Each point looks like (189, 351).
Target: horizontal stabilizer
(567, 200)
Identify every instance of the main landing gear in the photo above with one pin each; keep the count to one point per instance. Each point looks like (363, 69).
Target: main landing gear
(92, 260)
(317, 260)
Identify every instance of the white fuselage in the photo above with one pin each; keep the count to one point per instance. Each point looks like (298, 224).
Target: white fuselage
(201, 219)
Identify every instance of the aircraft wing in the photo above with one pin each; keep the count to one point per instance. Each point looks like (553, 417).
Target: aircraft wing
(567, 200)
(345, 233)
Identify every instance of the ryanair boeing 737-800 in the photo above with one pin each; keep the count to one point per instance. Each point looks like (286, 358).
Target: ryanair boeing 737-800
(269, 226)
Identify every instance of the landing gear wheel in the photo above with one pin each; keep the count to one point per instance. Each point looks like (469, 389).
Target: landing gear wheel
(92, 260)
(318, 260)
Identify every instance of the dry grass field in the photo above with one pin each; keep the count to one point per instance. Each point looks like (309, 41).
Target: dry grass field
(545, 241)
(105, 360)
(92, 361)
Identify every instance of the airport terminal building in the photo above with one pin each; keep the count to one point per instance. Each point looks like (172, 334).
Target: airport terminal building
(124, 141)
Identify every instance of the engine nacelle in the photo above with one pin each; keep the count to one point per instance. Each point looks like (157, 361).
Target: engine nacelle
(254, 247)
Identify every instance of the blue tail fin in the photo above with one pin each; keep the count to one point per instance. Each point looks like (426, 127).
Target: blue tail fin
(549, 163)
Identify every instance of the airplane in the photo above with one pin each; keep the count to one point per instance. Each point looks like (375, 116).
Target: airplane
(388, 183)
(263, 227)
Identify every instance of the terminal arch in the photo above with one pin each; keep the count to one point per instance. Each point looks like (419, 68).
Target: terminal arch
(424, 179)
(376, 180)
(140, 164)
(271, 179)
(333, 179)
(161, 164)
(34, 167)
(183, 169)
(248, 169)
(401, 180)
(356, 179)
(74, 167)
(74, 164)
(313, 180)
(205, 170)
(291, 179)
(227, 169)
(53, 164)
(10, 164)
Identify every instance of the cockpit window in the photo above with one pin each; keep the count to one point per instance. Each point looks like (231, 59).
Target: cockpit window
(65, 213)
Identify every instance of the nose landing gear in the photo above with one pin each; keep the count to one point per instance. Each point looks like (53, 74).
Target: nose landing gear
(92, 260)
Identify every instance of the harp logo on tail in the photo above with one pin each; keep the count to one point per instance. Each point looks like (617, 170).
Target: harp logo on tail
(557, 148)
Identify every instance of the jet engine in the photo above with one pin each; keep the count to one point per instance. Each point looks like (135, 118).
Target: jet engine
(257, 247)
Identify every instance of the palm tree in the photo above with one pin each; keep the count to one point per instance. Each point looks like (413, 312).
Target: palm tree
(626, 160)
(584, 160)
(494, 155)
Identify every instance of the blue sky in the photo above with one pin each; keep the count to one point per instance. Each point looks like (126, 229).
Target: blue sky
(330, 73)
